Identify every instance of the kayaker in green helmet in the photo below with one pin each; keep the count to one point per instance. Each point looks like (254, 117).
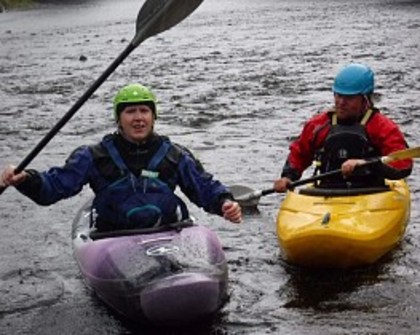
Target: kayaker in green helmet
(133, 173)
(346, 136)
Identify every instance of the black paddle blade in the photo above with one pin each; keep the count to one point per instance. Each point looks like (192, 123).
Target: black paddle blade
(157, 16)
(154, 17)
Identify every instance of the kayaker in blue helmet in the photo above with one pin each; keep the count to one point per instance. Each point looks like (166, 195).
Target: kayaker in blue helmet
(133, 172)
(346, 136)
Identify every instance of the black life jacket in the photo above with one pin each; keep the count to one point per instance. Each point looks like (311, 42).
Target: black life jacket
(345, 142)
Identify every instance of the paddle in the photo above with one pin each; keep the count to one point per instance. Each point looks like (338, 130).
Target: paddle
(249, 198)
(154, 17)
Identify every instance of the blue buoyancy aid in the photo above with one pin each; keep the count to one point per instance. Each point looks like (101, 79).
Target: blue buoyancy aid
(138, 202)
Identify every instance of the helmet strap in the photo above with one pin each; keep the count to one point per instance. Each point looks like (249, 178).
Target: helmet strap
(368, 100)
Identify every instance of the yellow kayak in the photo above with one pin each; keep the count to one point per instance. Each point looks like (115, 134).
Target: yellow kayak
(342, 228)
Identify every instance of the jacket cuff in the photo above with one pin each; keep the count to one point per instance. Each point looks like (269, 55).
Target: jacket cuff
(31, 185)
(293, 175)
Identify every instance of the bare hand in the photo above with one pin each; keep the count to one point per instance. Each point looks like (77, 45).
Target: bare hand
(232, 211)
(347, 168)
(282, 185)
(9, 178)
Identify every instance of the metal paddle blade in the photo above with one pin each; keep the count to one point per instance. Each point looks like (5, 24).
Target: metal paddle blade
(245, 196)
(157, 16)
(402, 154)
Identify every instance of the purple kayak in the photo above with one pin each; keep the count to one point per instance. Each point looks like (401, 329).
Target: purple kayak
(167, 276)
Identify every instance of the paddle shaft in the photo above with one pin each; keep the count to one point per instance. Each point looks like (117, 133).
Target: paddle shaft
(294, 184)
(60, 124)
(322, 176)
(408, 153)
(151, 21)
(79, 103)
(153, 18)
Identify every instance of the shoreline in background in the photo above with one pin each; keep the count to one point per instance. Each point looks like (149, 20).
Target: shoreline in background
(15, 4)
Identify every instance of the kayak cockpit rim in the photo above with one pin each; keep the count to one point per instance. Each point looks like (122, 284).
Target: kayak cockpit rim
(96, 235)
(339, 192)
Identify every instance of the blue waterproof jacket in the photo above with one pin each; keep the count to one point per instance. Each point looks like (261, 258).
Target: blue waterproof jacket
(91, 164)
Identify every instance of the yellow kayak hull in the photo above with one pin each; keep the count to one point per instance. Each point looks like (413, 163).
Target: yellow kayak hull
(342, 231)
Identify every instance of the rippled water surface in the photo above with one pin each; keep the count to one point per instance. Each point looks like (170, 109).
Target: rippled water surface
(235, 81)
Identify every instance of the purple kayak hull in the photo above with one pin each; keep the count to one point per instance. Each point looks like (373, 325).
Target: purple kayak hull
(175, 276)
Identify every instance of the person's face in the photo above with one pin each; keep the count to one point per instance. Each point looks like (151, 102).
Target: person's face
(136, 122)
(349, 107)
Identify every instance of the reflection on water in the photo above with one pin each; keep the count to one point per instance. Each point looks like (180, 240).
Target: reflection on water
(235, 82)
(329, 290)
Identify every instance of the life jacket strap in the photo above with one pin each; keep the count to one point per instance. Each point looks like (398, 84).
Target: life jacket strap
(115, 155)
(119, 162)
(363, 122)
(159, 156)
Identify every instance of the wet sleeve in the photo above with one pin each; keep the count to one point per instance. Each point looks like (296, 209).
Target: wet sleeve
(389, 172)
(394, 174)
(385, 171)
(48, 187)
(387, 136)
(301, 152)
(32, 184)
(200, 187)
(290, 172)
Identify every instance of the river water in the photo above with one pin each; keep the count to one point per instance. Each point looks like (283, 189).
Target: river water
(235, 80)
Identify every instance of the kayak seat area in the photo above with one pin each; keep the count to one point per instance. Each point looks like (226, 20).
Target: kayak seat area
(331, 192)
(97, 235)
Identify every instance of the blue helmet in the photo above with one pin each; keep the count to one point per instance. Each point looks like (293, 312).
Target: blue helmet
(354, 79)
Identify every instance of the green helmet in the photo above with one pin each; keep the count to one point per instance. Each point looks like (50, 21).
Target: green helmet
(133, 94)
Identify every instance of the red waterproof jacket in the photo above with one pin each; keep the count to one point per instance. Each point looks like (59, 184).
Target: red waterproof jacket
(382, 132)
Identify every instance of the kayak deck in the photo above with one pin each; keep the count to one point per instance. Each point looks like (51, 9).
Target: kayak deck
(342, 230)
(168, 277)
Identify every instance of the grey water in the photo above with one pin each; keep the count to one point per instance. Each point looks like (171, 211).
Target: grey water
(235, 81)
